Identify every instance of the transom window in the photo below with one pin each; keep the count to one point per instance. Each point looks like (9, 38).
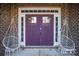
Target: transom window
(39, 11)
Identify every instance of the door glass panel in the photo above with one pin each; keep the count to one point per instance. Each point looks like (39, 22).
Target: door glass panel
(45, 20)
(33, 19)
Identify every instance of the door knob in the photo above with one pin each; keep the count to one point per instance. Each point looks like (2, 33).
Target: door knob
(40, 28)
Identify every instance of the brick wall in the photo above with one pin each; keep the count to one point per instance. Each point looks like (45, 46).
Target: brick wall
(74, 24)
(4, 22)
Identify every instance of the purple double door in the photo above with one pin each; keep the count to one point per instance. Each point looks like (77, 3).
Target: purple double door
(39, 30)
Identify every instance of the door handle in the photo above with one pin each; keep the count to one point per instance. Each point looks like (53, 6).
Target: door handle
(40, 28)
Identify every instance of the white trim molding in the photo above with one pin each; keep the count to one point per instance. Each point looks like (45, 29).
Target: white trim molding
(56, 14)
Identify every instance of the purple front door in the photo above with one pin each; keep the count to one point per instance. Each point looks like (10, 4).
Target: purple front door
(39, 30)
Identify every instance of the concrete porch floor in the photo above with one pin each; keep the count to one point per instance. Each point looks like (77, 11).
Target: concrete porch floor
(39, 52)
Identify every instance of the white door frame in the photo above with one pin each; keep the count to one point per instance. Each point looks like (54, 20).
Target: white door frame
(22, 15)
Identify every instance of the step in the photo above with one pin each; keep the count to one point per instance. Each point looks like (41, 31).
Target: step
(39, 52)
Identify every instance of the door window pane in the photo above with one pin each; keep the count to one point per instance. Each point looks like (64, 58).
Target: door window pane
(33, 19)
(45, 20)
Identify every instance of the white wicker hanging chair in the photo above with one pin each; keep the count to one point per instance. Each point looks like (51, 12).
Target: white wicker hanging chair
(67, 44)
(10, 41)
